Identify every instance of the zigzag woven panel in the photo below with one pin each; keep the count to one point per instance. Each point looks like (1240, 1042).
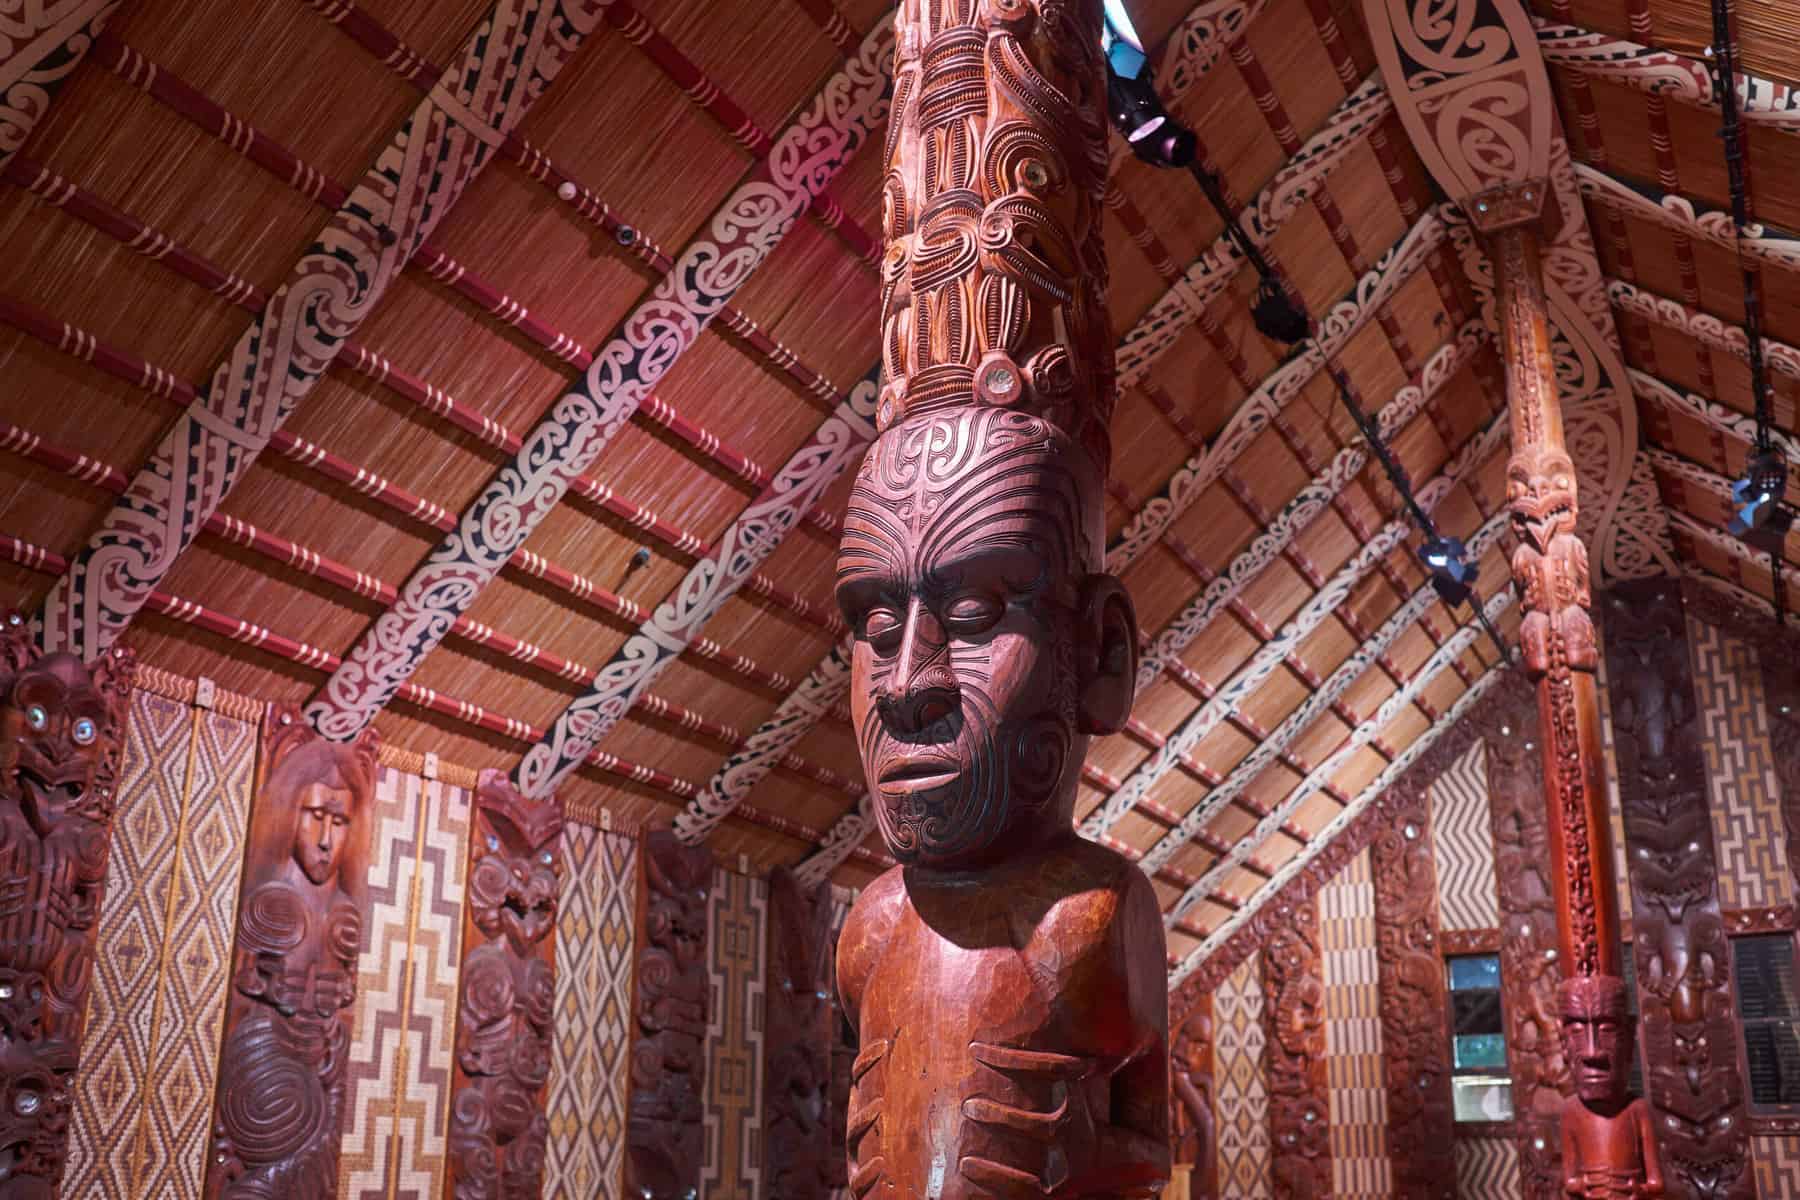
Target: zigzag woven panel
(1748, 834)
(1356, 1087)
(1777, 1166)
(736, 924)
(1468, 897)
(1487, 1168)
(405, 1021)
(589, 1055)
(1241, 1097)
(143, 1098)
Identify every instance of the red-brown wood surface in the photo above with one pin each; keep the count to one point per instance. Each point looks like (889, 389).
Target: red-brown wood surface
(62, 735)
(507, 995)
(1683, 957)
(1191, 1115)
(1294, 1066)
(797, 1037)
(280, 1106)
(665, 1137)
(1415, 1033)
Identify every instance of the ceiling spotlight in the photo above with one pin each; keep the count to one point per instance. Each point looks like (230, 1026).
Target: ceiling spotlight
(1452, 574)
(1131, 100)
(1275, 315)
(1756, 496)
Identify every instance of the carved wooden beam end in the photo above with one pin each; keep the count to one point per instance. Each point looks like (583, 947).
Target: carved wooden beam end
(1512, 205)
(62, 738)
(665, 1133)
(506, 1001)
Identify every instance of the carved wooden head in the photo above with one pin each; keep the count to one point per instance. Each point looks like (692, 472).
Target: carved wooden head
(987, 650)
(514, 884)
(1597, 1033)
(62, 729)
(1540, 488)
(314, 805)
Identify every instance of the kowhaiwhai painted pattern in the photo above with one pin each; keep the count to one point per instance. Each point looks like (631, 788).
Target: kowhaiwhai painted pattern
(1356, 1087)
(1749, 837)
(1468, 896)
(1241, 1094)
(736, 936)
(590, 1066)
(509, 61)
(741, 234)
(41, 44)
(1666, 73)
(149, 1059)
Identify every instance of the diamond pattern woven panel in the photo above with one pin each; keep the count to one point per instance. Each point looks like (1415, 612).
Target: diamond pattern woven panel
(1240, 1087)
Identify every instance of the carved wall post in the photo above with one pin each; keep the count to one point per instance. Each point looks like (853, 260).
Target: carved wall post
(1191, 1090)
(1294, 1007)
(797, 1040)
(507, 997)
(278, 1117)
(1683, 955)
(665, 1134)
(62, 735)
(1415, 1037)
(990, 646)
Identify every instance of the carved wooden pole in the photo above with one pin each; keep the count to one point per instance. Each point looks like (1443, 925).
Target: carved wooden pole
(1007, 981)
(797, 1040)
(1608, 1148)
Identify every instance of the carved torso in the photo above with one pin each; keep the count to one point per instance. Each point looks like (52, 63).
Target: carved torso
(1020, 981)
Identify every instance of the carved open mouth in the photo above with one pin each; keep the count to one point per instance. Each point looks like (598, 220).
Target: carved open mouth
(46, 795)
(906, 775)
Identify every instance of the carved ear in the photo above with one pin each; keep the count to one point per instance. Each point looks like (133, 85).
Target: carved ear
(1108, 654)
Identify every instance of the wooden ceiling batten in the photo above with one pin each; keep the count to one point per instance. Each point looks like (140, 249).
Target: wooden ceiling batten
(431, 159)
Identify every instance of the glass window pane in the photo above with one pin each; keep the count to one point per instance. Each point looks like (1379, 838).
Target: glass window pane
(1476, 1012)
(1482, 1097)
(1772, 1049)
(1479, 972)
(1765, 977)
(1479, 1050)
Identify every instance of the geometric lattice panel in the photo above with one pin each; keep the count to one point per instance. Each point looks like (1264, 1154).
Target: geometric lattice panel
(1488, 1167)
(1748, 833)
(1239, 1085)
(589, 1059)
(149, 1060)
(736, 925)
(1356, 1087)
(1463, 843)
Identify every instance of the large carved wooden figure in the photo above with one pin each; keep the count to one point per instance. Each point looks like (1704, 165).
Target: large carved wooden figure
(498, 1131)
(1608, 1150)
(61, 735)
(1007, 978)
(280, 1102)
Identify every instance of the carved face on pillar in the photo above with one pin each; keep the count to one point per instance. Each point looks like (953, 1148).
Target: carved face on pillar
(59, 742)
(1597, 1038)
(513, 885)
(986, 651)
(1540, 488)
(321, 827)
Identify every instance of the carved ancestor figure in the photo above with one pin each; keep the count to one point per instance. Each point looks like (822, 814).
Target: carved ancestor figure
(281, 1072)
(665, 1134)
(508, 994)
(1191, 1096)
(1608, 1150)
(797, 1035)
(62, 732)
(1550, 564)
(1294, 1009)
(1007, 978)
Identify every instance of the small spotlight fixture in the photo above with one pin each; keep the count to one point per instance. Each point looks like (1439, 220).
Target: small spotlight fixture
(1452, 574)
(1275, 314)
(1137, 111)
(1756, 495)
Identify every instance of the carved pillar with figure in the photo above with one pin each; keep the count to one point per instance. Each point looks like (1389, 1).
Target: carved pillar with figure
(62, 736)
(1191, 1115)
(797, 1040)
(665, 1132)
(507, 997)
(1007, 979)
(279, 1111)
(1607, 1147)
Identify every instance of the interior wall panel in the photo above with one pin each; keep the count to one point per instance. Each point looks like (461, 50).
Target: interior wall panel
(1487, 1168)
(1239, 1085)
(1468, 896)
(1355, 1084)
(736, 929)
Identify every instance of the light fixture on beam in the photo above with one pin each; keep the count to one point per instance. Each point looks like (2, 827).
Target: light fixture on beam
(1756, 496)
(1452, 574)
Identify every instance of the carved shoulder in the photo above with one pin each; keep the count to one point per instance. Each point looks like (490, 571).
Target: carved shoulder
(866, 932)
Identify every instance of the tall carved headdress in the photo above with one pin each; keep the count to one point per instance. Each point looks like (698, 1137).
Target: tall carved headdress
(994, 281)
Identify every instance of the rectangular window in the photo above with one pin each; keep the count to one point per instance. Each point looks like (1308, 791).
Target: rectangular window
(1770, 1013)
(1479, 1084)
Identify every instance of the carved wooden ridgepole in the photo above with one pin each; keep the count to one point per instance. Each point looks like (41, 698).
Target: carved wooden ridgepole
(1007, 979)
(1607, 1146)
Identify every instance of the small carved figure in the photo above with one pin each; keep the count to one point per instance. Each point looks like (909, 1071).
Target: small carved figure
(498, 1131)
(797, 1035)
(1550, 563)
(299, 933)
(1191, 1087)
(665, 1127)
(1609, 1152)
(62, 726)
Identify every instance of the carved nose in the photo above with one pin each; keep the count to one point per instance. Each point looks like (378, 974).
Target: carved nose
(922, 688)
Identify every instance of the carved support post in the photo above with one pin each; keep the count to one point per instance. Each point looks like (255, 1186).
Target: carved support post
(62, 736)
(1191, 1112)
(1683, 956)
(797, 1040)
(279, 1114)
(665, 1133)
(1294, 1007)
(506, 1003)
(1415, 1037)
